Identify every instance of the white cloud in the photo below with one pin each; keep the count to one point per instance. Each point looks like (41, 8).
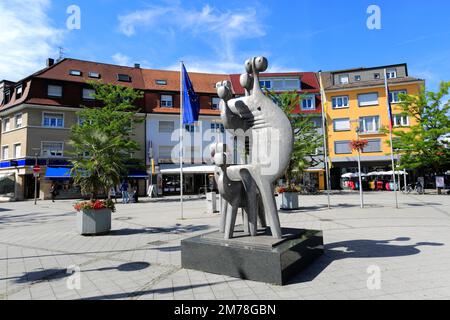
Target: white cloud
(121, 59)
(27, 39)
(220, 29)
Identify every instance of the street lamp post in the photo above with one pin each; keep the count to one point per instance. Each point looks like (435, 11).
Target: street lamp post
(361, 196)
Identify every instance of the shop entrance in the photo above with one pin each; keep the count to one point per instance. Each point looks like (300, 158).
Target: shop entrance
(28, 191)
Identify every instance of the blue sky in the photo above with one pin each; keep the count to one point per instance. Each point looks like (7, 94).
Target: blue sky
(217, 36)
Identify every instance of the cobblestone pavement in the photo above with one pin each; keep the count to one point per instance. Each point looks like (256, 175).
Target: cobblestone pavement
(407, 247)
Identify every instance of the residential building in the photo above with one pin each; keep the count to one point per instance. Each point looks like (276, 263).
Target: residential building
(357, 100)
(36, 115)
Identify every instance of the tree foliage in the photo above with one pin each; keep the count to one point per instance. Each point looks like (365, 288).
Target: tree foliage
(307, 139)
(426, 144)
(102, 142)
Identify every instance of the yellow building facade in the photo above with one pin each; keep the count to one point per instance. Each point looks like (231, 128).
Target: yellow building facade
(357, 108)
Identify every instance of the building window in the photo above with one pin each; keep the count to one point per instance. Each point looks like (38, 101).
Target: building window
(123, 77)
(76, 73)
(94, 75)
(342, 147)
(18, 120)
(19, 91)
(5, 152)
(368, 99)
(341, 124)
(54, 91)
(52, 149)
(340, 102)
(7, 96)
(343, 79)
(373, 146)
(6, 124)
(357, 78)
(191, 128)
(17, 150)
(217, 127)
(161, 82)
(165, 154)
(215, 104)
(166, 101)
(391, 73)
(88, 94)
(401, 120)
(53, 120)
(377, 76)
(284, 84)
(309, 103)
(265, 84)
(369, 124)
(166, 126)
(394, 96)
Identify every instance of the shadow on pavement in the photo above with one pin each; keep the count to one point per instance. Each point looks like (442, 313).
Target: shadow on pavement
(359, 249)
(56, 274)
(176, 229)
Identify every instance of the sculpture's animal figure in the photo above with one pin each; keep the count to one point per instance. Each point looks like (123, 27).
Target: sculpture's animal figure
(271, 138)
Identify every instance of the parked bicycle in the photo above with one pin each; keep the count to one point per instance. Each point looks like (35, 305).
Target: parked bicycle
(309, 189)
(417, 188)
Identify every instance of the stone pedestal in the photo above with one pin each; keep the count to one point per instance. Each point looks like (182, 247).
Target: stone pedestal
(260, 258)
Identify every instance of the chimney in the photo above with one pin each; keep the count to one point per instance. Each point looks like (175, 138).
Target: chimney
(137, 65)
(50, 62)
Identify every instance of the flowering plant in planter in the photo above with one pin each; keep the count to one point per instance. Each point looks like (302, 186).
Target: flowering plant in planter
(289, 189)
(95, 205)
(358, 145)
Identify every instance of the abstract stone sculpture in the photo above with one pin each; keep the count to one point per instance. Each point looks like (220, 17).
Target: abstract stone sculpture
(251, 186)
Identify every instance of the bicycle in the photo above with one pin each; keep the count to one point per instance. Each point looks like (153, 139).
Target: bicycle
(407, 189)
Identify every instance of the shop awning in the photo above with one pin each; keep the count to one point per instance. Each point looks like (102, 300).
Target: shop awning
(187, 170)
(138, 174)
(57, 173)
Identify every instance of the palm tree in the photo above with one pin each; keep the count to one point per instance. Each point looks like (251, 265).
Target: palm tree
(96, 165)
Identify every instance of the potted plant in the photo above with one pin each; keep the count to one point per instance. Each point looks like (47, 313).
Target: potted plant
(94, 217)
(102, 145)
(289, 197)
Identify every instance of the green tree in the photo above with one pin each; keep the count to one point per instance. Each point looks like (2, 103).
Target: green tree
(102, 142)
(424, 146)
(307, 139)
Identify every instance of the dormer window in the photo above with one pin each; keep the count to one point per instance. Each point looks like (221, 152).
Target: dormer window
(94, 75)
(123, 77)
(391, 73)
(161, 82)
(76, 73)
(343, 79)
(7, 96)
(19, 91)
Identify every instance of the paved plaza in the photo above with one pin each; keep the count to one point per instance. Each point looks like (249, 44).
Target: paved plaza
(375, 253)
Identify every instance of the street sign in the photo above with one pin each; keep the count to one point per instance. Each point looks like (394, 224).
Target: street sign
(36, 169)
(36, 174)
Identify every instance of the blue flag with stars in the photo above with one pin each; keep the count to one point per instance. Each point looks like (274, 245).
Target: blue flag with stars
(191, 102)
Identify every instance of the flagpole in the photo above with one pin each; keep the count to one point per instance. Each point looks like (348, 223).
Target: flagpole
(181, 139)
(390, 136)
(325, 143)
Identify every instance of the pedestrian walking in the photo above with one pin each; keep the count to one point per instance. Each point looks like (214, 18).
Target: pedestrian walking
(113, 194)
(53, 191)
(124, 190)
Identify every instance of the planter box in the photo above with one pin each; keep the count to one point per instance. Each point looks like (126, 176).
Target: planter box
(94, 222)
(289, 201)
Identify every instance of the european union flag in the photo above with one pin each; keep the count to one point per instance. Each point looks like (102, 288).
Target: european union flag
(191, 103)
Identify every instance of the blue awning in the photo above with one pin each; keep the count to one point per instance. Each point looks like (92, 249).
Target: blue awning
(58, 173)
(138, 174)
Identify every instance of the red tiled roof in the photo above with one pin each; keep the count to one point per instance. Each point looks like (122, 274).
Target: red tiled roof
(202, 82)
(108, 73)
(309, 82)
